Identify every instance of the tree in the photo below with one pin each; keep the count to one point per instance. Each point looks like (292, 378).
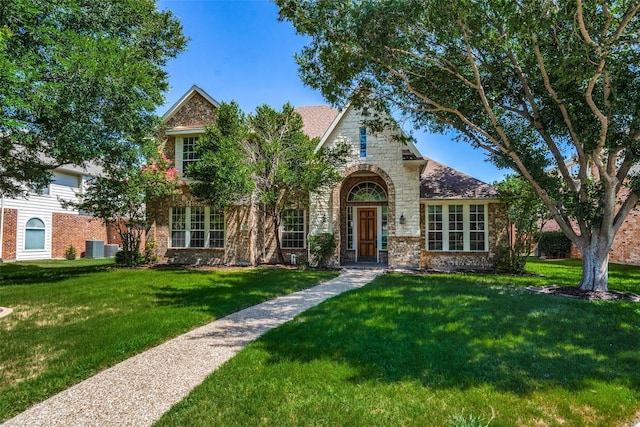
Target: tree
(527, 213)
(264, 158)
(76, 79)
(119, 198)
(533, 83)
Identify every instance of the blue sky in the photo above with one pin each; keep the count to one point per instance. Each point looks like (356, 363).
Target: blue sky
(239, 51)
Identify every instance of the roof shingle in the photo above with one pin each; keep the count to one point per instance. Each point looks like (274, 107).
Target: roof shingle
(438, 181)
(316, 119)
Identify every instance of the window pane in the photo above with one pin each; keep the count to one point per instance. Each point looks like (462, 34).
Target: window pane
(477, 226)
(197, 227)
(216, 230)
(178, 227)
(349, 227)
(34, 239)
(293, 229)
(434, 225)
(188, 153)
(385, 228)
(456, 228)
(367, 192)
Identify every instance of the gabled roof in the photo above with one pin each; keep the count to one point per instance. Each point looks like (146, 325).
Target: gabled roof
(194, 89)
(413, 150)
(438, 181)
(317, 119)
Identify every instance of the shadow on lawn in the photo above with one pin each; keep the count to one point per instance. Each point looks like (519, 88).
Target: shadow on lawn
(449, 331)
(26, 273)
(229, 291)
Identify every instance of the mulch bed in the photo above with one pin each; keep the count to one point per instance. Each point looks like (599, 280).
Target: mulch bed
(577, 293)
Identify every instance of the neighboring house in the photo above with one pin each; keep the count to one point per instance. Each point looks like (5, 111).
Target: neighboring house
(39, 227)
(393, 207)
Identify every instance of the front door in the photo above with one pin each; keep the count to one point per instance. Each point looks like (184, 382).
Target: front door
(367, 238)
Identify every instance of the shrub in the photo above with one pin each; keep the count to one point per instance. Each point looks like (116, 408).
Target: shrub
(554, 244)
(506, 261)
(70, 253)
(322, 246)
(150, 256)
(135, 258)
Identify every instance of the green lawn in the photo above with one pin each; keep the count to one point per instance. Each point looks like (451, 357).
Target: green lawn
(438, 350)
(73, 318)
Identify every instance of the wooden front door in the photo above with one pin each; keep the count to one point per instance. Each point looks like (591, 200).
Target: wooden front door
(367, 234)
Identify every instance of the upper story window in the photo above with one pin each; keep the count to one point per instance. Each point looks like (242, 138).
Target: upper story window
(367, 192)
(188, 153)
(363, 142)
(456, 227)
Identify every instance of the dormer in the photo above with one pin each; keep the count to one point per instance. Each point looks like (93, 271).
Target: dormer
(185, 122)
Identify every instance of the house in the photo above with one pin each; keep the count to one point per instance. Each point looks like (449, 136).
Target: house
(39, 227)
(393, 207)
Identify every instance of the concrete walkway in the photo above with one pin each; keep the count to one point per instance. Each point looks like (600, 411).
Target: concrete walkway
(138, 391)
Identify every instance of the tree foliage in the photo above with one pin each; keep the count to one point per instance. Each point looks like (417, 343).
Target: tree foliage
(533, 83)
(527, 213)
(120, 196)
(78, 78)
(264, 158)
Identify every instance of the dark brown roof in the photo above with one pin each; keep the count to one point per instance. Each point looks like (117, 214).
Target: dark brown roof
(317, 119)
(438, 181)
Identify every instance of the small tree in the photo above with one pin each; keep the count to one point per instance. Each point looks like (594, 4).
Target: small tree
(264, 158)
(527, 213)
(119, 197)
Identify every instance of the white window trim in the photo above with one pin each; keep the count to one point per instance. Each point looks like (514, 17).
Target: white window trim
(304, 230)
(466, 215)
(179, 151)
(187, 230)
(44, 230)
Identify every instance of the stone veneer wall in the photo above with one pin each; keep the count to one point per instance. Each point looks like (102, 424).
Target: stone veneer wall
(9, 234)
(196, 111)
(237, 237)
(384, 159)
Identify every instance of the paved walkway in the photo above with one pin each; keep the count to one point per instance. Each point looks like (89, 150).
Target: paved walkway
(138, 391)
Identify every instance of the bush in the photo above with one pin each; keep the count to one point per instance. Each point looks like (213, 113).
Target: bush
(70, 253)
(129, 260)
(150, 256)
(554, 244)
(322, 246)
(506, 261)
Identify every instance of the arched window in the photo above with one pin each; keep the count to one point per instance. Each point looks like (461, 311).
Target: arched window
(34, 234)
(367, 192)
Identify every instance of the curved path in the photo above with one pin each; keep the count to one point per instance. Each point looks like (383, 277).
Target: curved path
(139, 390)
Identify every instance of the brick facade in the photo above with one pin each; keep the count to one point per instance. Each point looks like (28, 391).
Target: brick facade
(10, 225)
(70, 229)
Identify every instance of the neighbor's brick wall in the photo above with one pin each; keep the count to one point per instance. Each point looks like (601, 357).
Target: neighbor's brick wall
(70, 229)
(9, 234)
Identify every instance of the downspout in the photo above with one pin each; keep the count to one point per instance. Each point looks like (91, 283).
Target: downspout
(1, 226)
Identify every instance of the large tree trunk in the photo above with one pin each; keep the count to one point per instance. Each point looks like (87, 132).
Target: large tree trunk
(595, 265)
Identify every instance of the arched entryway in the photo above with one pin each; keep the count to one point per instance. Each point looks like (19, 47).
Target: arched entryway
(366, 213)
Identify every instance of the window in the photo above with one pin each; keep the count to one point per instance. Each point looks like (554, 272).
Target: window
(350, 227)
(363, 142)
(434, 228)
(293, 229)
(384, 244)
(196, 227)
(196, 235)
(456, 228)
(367, 192)
(178, 227)
(188, 153)
(477, 227)
(34, 234)
(216, 230)
(464, 229)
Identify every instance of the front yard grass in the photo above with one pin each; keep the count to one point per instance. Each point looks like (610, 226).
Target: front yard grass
(438, 350)
(72, 319)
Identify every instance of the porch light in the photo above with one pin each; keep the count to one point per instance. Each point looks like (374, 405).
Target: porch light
(402, 220)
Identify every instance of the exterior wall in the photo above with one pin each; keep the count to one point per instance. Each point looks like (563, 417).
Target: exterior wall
(73, 229)
(384, 159)
(47, 207)
(237, 250)
(196, 111)
(498, 235)
(10, 225)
